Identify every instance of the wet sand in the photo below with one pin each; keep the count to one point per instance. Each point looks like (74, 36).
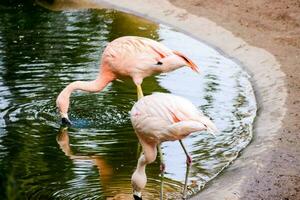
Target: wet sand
(264, 36)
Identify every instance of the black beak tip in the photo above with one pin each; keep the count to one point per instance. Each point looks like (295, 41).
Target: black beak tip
(66, 122)
(137, 197)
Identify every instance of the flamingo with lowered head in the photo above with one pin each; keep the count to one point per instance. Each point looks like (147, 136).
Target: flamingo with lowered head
(132, 56)
(163, 117)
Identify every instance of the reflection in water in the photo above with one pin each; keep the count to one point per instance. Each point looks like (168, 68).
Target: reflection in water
(109, 177)
(41, 51)
(69, 4)
(105, 171)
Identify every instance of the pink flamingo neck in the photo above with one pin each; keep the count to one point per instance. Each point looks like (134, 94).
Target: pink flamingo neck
(141, 166)
(97, 85)
(139, 178)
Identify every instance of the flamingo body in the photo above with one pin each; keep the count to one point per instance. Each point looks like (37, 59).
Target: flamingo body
(163, 117)
(136, 57)
(129, 56)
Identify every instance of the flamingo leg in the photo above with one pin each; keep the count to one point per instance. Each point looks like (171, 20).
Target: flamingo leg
(188, 166)
(139, 150)
(140, 95)
(139, 91)
(162, 171)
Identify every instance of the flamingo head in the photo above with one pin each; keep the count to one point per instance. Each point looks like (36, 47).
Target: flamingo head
(137, 195)
(187, 62)
(65, 121)
(62, 103)
(139, 179)
(138, 182)
(175, 61)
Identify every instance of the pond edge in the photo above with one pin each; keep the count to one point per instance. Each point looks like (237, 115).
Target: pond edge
(267, 79)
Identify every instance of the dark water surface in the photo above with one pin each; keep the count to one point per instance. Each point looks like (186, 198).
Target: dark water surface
(41, 51)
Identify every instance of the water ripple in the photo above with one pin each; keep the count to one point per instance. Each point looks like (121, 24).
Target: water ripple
(42, 51)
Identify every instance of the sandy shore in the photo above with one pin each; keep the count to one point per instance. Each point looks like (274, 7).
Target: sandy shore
(264, 36)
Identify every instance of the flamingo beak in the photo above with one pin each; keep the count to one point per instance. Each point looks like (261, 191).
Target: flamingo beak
(65, 119)
(194, 67)
(188, 61)
(137, 195)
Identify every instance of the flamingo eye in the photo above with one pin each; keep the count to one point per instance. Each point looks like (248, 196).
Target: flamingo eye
(159, 63)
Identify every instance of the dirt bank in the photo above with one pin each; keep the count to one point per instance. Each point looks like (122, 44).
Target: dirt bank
(274, 26)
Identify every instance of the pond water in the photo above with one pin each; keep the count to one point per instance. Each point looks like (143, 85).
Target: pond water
(41, 51)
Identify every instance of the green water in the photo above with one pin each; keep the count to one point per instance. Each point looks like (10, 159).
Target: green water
(41, 51)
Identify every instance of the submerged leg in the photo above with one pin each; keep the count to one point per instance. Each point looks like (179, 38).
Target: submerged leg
(188, 165)
(139, 91)
(162, 171)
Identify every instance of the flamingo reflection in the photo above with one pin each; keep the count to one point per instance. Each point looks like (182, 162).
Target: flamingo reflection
(106, 171)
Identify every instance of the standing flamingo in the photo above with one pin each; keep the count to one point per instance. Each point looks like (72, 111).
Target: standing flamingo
(163, 117)
(132, 56)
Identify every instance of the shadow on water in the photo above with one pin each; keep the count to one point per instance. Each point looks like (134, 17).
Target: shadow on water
(41, 51)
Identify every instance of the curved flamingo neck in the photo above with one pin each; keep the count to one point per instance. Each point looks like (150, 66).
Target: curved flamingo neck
(139, 178)
(97, 85)
(141, 166)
